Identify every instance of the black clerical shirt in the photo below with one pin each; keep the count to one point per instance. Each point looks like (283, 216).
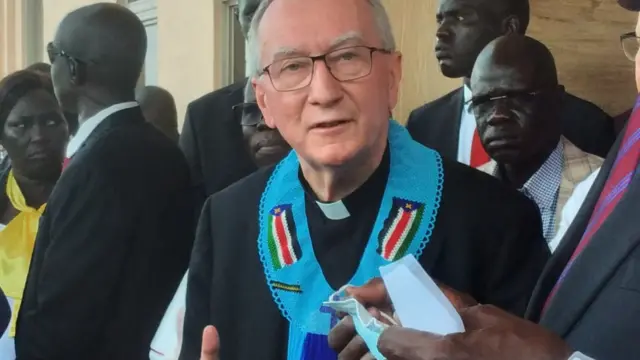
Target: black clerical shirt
(339, 244)
(486, 242)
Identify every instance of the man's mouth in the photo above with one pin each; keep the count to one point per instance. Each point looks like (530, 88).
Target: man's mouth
(330, 124)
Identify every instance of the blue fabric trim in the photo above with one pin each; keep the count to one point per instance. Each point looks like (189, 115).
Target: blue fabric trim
(415, 175)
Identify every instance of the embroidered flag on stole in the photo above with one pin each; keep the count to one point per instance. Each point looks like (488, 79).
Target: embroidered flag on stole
(283, 245)
(400, 228)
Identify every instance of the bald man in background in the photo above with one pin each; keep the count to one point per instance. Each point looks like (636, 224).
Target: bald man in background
(159, 109)
(116, 237)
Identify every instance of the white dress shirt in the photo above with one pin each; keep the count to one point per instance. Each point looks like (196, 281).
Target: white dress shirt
(571, 207)
(167, 342)
(467, 129)
(87, 127)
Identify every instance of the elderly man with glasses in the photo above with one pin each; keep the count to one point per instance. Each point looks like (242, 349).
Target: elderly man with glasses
(356, 193)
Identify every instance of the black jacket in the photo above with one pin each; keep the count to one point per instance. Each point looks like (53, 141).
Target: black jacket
(112, 246)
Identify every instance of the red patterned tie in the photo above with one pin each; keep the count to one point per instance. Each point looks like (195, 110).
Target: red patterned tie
(615, 187)
(479, 156)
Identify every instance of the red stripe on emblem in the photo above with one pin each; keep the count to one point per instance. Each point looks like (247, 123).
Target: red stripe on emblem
(397, 233)
(283, 241)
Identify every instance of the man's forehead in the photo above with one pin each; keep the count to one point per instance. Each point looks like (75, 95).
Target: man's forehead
(503, 77)
(316, 27)
(350, 38)
(453, 5)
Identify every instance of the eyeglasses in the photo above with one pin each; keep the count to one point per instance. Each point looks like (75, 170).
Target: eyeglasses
(484, 103)
(244, 112)
(53, 52)
(630, 44)
(345, 64)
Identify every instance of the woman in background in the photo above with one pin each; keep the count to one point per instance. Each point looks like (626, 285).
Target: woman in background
(34, 133)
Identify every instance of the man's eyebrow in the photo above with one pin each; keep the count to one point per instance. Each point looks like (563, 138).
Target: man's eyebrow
(350, 38)
(286, 52)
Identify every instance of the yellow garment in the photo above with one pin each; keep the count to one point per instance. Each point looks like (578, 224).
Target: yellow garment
(17, 240)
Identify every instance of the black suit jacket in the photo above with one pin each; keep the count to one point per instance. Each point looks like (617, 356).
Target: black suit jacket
(491, 249)
(437, 124)
(212, 142)
(112, 247)
(597, 306)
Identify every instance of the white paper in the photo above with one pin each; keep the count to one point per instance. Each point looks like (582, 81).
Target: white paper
(418, 302)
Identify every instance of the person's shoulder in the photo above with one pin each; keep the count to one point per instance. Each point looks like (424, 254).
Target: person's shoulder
(472, 188)
(136, 149)
(574, 104)
(435, 105)
(218, 97)
(241, 194)
(574, 156)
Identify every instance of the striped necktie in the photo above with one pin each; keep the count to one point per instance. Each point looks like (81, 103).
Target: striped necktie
(615, 187)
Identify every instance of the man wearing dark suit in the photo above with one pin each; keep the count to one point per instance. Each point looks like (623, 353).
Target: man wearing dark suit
(211, 137)
(587, 300)
(339, 205)
(116, 236)
(446, 125)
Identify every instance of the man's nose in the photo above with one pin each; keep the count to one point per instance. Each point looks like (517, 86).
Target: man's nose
(39, 133)
(501, 112)
(325, 90)
(443, 31)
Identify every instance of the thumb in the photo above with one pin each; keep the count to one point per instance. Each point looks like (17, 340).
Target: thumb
(373, 293)
(210, 344)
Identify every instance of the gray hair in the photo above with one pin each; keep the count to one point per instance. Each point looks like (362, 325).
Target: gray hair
(380, 15)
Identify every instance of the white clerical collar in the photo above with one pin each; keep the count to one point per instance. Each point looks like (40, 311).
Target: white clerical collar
(334, 210)
(87, 127)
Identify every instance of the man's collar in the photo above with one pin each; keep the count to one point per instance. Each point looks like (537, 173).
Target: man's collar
(358, 199)
(542, 185)
(87, 127)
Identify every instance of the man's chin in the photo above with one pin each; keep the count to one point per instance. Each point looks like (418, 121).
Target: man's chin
(270, 155)
(450, 71)
(333, 156)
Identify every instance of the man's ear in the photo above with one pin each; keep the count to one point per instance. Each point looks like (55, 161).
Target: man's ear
(511, 25)
(76, 72)
(263, 104)
(395, 78)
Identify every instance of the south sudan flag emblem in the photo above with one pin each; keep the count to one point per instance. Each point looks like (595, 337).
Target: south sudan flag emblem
(399, 229)
(284, 249)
